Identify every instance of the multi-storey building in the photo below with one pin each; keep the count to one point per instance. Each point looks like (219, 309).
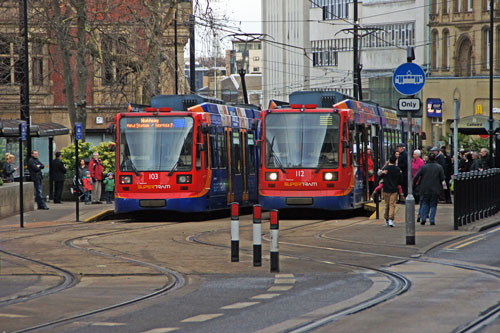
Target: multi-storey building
(460, 66)
(321, 52)
(114, 63)
(251, 51)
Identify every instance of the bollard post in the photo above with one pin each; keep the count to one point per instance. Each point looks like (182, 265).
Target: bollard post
(275, 260)
(235, 232)
(257, 235)
(377, 200)
(470, 191)
(475, 185)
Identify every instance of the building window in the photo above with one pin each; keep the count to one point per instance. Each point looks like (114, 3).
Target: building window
(11, 69)
(457, 4)
(485, 48)
(434, 7)
(434, 49)
(256, 58)
(113, 49)
(256, 69)
(463, 65)
(470, 5)
(333, 9)
(390, 35)
(446, 49)
(445, 6)
(325, 52)
(37, 63)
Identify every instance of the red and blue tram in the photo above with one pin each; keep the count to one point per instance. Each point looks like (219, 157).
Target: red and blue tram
(178, 155)
(312, 157)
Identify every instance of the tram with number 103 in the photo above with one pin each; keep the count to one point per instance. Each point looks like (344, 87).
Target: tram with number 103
(185, 154)
(314, 150)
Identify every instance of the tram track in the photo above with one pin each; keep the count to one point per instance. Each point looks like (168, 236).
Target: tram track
(399, 282)
(174, 280)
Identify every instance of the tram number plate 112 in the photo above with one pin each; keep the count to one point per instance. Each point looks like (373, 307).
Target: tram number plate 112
(299, 173)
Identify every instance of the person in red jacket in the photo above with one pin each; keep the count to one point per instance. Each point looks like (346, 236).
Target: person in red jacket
(87, 187)
(97, 172)
(371, 173)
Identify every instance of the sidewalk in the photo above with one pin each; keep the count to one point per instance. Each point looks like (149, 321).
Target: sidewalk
(58, 214)
(426, 236)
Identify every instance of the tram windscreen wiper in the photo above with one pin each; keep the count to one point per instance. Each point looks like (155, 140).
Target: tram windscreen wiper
(275, 157)
(171, 172)
(128, 164)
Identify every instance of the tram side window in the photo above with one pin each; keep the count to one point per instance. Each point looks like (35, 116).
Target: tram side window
(251, 153)
(344, 147)
(198, 150)
(237, 152)
(213, 149)
(222, 150)
(207, 150)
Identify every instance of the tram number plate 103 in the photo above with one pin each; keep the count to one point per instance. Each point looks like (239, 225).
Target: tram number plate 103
(153, 176)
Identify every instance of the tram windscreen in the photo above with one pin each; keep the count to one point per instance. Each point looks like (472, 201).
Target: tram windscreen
(156, 143)
(302, 140)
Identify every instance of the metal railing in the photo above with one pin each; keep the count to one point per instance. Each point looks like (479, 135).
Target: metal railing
(476, 196)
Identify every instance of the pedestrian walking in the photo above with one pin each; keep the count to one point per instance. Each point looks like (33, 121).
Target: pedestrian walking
(8, 168)
(403, 165)
(431, 178)
(448, 172)
(392, 178)
(58, 170)
(109, 187)
(35, 168)
(87, 187)
(416, 163)
(97, 172)
(370, 166)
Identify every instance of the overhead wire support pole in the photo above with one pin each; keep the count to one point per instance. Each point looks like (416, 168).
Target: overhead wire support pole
(25, 86)
(176, 56)
(192, 62)
(355, 69)
(491, 81)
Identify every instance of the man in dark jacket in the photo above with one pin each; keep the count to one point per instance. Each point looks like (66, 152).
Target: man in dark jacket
(391, 175)
(35, 168)
(431, 177)
(448, 172)
(403, 165)
(486, 162)
(58, 171)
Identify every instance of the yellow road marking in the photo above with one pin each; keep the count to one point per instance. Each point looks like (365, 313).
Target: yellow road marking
(284, 281)
(108, 324)
(162, 330)
(201, 318)
(468, 243)
(239, 305)
(265, 296)
(280, 288)
(8, 315)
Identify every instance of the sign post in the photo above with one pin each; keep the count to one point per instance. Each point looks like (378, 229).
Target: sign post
(78, 136)
(409, 79)
(22, 137)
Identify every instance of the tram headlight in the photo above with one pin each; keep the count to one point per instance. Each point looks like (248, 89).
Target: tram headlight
(330, 176)
(272, 176)
(126, 179)
(184, 179)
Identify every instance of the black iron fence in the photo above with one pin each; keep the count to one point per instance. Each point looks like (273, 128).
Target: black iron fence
(477, 196)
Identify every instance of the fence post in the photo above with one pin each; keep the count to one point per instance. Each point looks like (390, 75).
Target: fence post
(275, 260)
(257, 235)
(235, 232)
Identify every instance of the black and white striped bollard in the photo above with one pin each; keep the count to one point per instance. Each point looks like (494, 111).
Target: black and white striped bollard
(235, 232)
(275, 255)
(257, 235)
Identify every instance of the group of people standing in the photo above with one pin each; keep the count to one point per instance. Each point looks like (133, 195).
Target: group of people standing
(92, 175)
(431, 177)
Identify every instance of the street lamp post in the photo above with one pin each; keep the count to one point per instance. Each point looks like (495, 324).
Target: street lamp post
(491, 80)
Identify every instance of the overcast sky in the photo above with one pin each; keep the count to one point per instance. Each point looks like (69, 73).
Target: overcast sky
(245, 13)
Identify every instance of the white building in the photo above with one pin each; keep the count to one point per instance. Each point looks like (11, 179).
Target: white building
(387, 28)
(285, 66)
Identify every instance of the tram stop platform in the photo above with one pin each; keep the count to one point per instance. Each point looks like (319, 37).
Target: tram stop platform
(63, 213)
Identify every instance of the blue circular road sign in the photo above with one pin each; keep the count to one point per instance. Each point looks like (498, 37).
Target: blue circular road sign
(409, 78)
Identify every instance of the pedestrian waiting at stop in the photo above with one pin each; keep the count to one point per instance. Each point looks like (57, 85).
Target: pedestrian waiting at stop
(430, 178)
(88, 186)
(486, 162)
(392, 179)
(109, 187)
